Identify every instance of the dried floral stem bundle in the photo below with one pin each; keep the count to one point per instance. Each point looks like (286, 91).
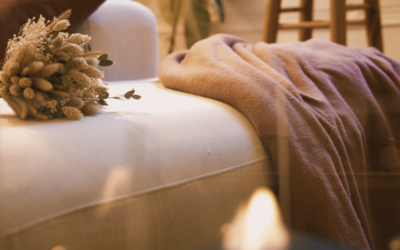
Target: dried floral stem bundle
(49, 73)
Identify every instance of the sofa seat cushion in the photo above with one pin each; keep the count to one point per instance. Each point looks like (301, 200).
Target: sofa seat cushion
(163, 172)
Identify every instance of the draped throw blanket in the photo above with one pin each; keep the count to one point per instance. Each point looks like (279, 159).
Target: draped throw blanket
(328, 115)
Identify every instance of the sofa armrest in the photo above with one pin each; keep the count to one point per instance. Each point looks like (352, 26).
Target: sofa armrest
(127, 32)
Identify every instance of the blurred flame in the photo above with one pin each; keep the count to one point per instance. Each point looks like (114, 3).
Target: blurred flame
(58, 248)
(395, 244)
(117, 182)
(257, 226)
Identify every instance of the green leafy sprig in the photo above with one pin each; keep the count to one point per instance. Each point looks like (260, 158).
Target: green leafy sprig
(103, 61)
(128, 95)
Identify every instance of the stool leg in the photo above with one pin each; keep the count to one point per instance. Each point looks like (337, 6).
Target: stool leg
(338, 21)
(271, 21)
(373, 19)
(306, 14)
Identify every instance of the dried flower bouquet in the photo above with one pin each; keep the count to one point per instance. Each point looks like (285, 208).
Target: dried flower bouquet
(49, 73)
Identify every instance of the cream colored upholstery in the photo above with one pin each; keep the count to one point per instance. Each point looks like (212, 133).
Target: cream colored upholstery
(164, 172)
(127, 31)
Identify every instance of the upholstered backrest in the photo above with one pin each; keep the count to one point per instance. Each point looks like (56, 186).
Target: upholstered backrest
(127, 32)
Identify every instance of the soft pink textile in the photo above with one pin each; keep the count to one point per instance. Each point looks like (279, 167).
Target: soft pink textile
(328, 115)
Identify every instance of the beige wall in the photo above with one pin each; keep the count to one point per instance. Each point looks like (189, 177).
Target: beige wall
(244, 19)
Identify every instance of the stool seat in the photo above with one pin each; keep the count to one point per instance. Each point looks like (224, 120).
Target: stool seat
(337, 22)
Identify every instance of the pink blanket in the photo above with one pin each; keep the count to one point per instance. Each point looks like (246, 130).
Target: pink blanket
(328, 115)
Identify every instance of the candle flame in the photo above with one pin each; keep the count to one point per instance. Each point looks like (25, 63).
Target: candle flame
(257, 226)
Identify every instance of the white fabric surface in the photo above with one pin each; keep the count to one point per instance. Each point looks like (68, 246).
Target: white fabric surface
(163, 172)
(127, 32)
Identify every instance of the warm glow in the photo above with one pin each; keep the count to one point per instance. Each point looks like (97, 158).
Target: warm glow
(118, 181)
(258, 226)
(395, 244)
(58, 248)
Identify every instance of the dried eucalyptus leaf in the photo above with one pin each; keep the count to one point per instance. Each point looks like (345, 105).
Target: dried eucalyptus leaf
(129, 94)
(68, 66)
(85, 48)
(136, 97)
(104, 95)
(106, 63)
(41, 52)
(89, 48)
(65, 80)
(102, 102)
(103, 57)
(115, 97)
(55, 34)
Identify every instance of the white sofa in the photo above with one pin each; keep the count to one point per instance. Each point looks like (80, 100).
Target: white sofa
(164, 172)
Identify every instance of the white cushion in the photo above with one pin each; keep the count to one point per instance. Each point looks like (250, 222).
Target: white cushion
(163, 172)
(127, 32)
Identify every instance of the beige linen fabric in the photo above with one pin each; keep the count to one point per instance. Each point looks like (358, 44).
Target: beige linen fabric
(164, 172)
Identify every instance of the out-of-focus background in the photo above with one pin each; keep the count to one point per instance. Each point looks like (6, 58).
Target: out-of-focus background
(244, 18)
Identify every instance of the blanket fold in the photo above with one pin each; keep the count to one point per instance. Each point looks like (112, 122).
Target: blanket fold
(328, 115)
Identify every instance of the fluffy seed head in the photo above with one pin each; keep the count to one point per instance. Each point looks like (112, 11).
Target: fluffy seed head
(3, 91)
(78, 39)
(5, 78)
(60, 68)
(91, 109)
(32, 69)
(75, 102)
(79, 63)
(93, 72)
(65, 15)
(29, 93)
(39, 96)
(61, 25)
(15, 79)
(25, 82)
(101, 89)
(62, 56)
(92, 61)
(15, 90)
(25, 55)
(82, 80)
(88, 95)
(73, 49)
(58, 42)
(48, 70)
(72, 113)
(42, 84)
(12, 68)
(64, 35)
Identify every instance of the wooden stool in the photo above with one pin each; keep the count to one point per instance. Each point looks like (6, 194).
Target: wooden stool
(337, 23)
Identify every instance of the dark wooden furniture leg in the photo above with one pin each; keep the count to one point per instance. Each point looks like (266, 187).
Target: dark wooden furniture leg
(306, 14)
(373, 24)
(338, 21)
(271, 21)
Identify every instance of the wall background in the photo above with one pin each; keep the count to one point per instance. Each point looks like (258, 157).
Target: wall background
(244, 18)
